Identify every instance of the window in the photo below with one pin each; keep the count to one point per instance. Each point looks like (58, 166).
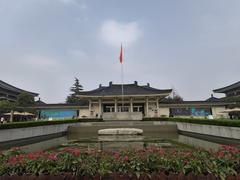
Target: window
(110, 109)
(123, 108)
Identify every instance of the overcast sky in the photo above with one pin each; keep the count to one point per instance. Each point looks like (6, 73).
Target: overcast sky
(193, 46)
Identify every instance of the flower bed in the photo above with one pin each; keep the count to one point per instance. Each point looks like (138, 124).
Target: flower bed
(72, 162)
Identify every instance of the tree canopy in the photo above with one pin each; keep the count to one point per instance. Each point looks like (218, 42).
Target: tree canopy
(6, 106)
(75, 90)
(25, 99)
(175, 97)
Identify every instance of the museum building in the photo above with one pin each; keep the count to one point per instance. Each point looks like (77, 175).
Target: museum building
(10, 92)
(232, 93)
(132, 99)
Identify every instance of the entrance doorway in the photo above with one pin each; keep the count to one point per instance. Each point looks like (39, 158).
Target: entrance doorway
(139, 107)
(108, 108)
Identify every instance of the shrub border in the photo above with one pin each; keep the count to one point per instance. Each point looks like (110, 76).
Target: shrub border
(217, 122)
(44, 123)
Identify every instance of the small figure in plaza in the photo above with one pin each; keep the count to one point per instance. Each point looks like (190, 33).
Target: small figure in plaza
(2, 120)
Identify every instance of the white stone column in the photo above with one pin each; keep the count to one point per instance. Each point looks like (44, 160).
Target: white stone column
(11, 115)
(115, 105)
(131, 104)
(157, 105)
(90, 107)
(147, 107)
(100, 107)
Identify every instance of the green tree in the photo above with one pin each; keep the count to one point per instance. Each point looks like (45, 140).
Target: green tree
(174, 97)
(75, 89)
(6, 106)
(25, 99)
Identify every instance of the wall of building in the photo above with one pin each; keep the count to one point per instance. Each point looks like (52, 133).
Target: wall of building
(216, 112)
(95, 109)
(83, 113)
(152, 110)
(164, 112)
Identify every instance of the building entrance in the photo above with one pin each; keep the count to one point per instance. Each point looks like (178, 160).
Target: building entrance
(139, 108)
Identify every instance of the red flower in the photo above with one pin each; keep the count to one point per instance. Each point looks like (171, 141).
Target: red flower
(88, 152)
(52, 156)
(75, 152)
(116, 155)
(31, 156)
(126, 158)
(12, 160)
(161, 152)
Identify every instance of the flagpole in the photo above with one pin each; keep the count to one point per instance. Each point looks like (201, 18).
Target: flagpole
(122, 85)
(121, 61)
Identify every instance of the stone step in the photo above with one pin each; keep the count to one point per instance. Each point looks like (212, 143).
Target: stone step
(126, 123)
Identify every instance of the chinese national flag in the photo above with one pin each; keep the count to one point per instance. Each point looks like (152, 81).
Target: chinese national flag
(121, 55)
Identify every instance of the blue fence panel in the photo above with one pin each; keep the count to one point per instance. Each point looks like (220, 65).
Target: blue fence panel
(58, 114)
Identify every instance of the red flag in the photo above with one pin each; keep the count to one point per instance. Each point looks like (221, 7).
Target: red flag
(121, 55)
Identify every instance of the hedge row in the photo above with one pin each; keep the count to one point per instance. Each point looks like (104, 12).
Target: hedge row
(220, 122)
(217, 122)
(44, 123)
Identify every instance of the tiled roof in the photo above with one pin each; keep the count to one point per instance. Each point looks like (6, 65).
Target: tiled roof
(9, 87)
(227, 88)
(213, 99)
(231, 99)
(193, 103)
(128, 89)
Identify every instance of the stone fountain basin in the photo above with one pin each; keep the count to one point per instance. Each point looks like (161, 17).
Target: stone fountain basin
(120, 138)
(120, 131)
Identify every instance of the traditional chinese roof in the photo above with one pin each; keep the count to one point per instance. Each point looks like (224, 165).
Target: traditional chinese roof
(39, 102)
(228, 88)
(128, 89)
(213, 99)
(231, 99)
(194, 104)
(8, 87)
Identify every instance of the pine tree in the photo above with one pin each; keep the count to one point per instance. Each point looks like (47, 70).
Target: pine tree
(75, 89)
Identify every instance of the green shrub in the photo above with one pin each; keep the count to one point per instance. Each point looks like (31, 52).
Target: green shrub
(44, 123)
(217, 122)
